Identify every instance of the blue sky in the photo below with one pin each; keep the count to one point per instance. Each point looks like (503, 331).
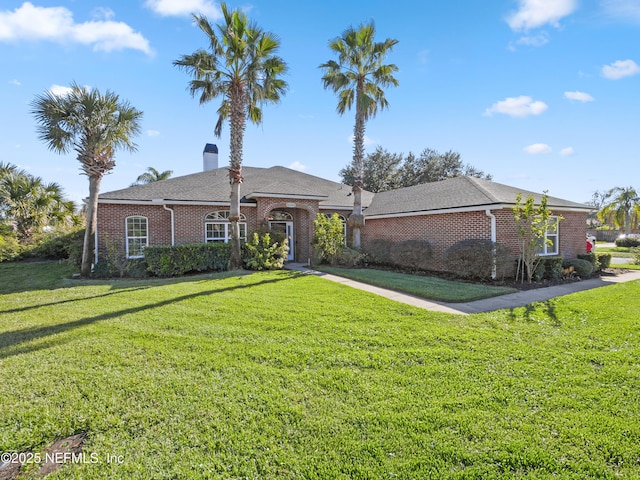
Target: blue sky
(542, 94)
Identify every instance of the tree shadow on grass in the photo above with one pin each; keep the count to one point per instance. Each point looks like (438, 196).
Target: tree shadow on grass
(10, 341)
(547, 307)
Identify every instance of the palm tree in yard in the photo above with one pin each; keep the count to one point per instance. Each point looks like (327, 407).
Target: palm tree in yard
(358, 77)
(93, 125)
(623, 208)
(242, 68)
(152, 175)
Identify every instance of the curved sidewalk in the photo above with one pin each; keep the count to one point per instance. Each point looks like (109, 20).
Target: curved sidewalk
(511, 300)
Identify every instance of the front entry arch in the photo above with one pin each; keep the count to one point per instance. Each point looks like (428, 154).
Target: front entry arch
(282, 222)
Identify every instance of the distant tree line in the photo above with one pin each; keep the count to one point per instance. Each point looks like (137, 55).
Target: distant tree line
(384, 170)
(618, 207)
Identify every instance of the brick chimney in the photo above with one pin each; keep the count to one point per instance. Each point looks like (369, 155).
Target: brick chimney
(210, 157)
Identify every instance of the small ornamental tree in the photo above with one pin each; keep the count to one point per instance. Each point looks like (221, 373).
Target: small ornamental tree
(329, 238)
(533, 222)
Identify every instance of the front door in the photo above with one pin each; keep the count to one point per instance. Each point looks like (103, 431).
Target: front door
(286, 228)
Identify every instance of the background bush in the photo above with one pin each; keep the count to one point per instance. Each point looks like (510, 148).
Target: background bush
(552, 267)
(10, 248)
(473, 258)
(379, 251)
(350, 257)
(627, 242)
(132, 268)
(166, 261)
(328, 240)
(583, 268)
(592, 258)
(412, 254)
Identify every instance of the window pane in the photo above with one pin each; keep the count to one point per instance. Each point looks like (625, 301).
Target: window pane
(243, 231)
(552, 244)
(216, 232)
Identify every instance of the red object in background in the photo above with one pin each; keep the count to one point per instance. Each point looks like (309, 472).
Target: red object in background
(589, 246)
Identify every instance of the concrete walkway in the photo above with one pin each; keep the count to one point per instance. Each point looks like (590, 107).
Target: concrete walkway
(512, 300)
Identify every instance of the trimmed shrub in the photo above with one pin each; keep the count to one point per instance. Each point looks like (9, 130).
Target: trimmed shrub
(636, 255)
(583, 268)
(167, 261)
(627, 242)
(9, 248)
(379, 251)
(552, 267)
(592, 258)
(263, 254)
(413, 254)
(351, 257)
(604, 260)
(328, 240)
(473, 258)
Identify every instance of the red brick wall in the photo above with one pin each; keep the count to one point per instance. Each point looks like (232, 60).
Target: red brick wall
(444, 230)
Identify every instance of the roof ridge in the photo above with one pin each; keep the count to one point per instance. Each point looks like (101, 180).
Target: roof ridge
(475, 181)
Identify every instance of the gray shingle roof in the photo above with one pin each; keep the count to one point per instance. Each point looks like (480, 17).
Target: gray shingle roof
(456, 192)
(213, 186)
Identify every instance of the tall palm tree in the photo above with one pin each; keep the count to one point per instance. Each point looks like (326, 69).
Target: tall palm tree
(93, 125)
(30, 204)
(358, 77)
(152, 175)
(243, 69)
(623, 208)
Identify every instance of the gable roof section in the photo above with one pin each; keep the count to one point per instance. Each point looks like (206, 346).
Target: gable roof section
(213, 187)
(455, 193)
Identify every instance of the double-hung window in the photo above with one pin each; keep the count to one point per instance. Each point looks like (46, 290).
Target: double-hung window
(137, 236)
(217, 227)
(550, 243)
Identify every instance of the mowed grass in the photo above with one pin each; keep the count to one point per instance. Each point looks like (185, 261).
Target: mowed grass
(279, 375)
(431, 288)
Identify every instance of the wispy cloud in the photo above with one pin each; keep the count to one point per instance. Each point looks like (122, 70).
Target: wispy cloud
(537, 13)
(153, 133)
(184, 8)
(579, 96)
(298, 166)
(59, 90)
(620, 69)
(367, 141)
(628, 10)
(56, 24)
(521, 106)
(15, 82)
(537, 149)
(567, 152)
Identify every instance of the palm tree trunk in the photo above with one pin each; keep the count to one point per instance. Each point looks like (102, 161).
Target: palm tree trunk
(92, 217)
(356, 218)
(237, 125)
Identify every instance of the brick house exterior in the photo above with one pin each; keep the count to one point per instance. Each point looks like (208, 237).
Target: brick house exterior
(192, 209)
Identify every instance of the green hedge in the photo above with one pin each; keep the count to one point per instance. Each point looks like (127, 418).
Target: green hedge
(604, 260)
(583, 268)
(474, 258)
(627, 242)
(166, 261)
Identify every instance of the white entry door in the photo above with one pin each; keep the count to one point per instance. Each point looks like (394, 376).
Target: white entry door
(285, 228)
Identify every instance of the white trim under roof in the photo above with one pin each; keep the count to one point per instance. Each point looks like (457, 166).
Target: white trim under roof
(478, 208)
(284, 195)
(336, 207)
(170, 202)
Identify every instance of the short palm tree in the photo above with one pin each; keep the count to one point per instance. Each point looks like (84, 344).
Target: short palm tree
(152, 175)
(623, 208)
(30, 205)
(242, 68)
(358, 77)
(93, 125)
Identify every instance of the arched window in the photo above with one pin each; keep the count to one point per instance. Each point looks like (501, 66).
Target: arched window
(279, 216)
(137, 235)
(216, 227)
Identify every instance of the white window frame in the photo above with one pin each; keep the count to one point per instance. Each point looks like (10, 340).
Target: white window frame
(552, 232)
(128, 237)
(221, 218)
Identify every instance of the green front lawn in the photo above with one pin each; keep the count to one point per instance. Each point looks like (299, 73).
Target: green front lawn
(431, 288)
(281, 375)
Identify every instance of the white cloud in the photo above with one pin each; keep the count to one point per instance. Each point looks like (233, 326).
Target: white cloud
(56, 24)
(15, 82)
(184, 8)
(521, 106)
(579, 96)
(59, 90)
(153, 133)
(622, 9)
(423, 57)
(537, 148)
(567, 152)
(298, 166)
(536, 13)
(620, 69)
(534, 40)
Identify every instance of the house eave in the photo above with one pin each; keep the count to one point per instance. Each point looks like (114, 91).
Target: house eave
(474, 208)
(170, 202)
(255, 195)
